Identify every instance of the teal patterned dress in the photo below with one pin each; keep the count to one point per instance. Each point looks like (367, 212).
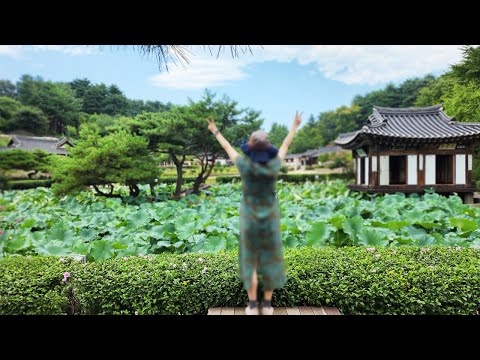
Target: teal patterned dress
(260, 244)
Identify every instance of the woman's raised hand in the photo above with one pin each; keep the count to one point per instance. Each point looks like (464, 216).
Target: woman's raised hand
(211, 124)
(298, 119)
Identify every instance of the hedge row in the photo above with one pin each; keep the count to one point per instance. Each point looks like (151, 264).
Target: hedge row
(173, 180)
(28, 184)
(296, 178)
(406, 280)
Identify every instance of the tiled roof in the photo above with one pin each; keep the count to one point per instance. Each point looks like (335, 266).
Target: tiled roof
(49, 144)
(423, 123)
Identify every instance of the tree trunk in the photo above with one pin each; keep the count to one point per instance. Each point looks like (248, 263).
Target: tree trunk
(101, 193)
(201, 178)
(32, 173)
(152, 189)
(179, 165)
(134, 190)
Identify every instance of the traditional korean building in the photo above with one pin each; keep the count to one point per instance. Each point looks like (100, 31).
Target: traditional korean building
(411, 149)
(49, 144)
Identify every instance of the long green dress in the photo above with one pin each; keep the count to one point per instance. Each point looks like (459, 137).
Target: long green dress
(260, 244)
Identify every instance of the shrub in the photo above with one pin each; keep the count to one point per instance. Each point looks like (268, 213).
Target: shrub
(309, 167)
(284, 169)
(29, 184)
(296, 178)
(404, 280)
(33, 285)
(173, 180)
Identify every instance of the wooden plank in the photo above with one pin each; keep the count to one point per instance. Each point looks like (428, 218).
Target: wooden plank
(319, 311)
(227, 311)
(239, 310)
(305, 310)
(332, 310)
(280, 311)
(214, 311)
(293, 311)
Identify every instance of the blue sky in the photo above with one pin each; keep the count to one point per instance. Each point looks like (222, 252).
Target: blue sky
(277, 80)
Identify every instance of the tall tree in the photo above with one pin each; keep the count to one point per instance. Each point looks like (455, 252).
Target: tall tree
(437, 91)
(8, 108)
(118, 158)
(115, 102)
(464, 102)
(19, 159)
(58, 102)
(31, 119)
(169, 132)
(94, 99)
(28, 89)
(403, 95)
(236, 124)
(80, 86)
(468, 70)
(7, 88)
(332, 123)
(277, 134)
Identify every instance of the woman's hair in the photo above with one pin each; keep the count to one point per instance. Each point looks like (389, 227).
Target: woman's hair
(259, 140)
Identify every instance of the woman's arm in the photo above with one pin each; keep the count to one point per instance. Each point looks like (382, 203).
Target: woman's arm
(288, 140)
(231, 152)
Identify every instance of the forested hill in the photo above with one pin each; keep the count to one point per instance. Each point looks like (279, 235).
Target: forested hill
(48, 108)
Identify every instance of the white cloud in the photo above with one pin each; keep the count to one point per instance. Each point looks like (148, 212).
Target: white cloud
(68, 49)
(350, 64)
(369, 64)
(10, 50)
(201, 72)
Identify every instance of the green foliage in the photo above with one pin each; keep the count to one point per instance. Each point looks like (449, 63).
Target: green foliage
(464, 102)
(277, 134)
(7, 88)
(31, 119)
(357, 280)
(284, 169)
(119, 157)
(294, 178)
(437, 91)
(56, 100)
(325, 129)
(403, 95)
(105, 228)
(343, 119)
(182, 131)
(20, 159)
(468, 70)
(342, 160)
(34, 285)
(15, 116)
(8, 108)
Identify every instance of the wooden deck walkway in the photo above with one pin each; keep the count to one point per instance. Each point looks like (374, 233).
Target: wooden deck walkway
(297, 310)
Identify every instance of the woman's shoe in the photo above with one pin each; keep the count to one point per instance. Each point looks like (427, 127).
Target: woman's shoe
(251, 311)
(267, 310)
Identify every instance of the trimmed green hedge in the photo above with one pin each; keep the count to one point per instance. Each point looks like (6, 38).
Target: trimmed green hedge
(173, 180)
(33, 285)
(295, 178)
(406, 280)
(28, 184)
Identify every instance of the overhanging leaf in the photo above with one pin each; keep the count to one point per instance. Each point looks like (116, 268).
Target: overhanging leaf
(372, 238)
(318, 234)
(464, 224)
(101, 250)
